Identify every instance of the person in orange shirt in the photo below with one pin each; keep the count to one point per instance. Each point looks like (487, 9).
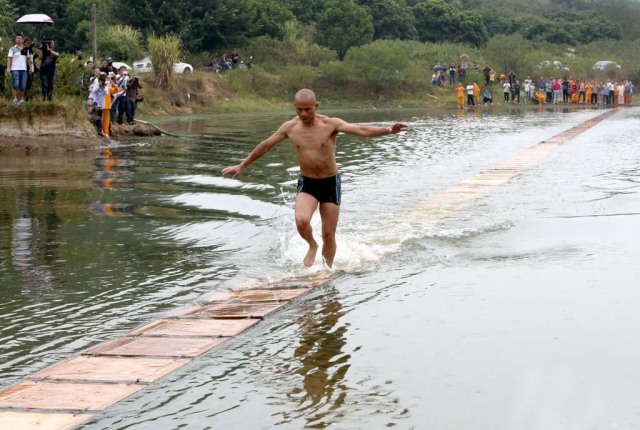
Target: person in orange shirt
(112, 89)
(460, 93)
(588, 88)
(476, 93)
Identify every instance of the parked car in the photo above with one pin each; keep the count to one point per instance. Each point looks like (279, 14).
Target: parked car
(604, 65)
(118, 64)
(145, 66)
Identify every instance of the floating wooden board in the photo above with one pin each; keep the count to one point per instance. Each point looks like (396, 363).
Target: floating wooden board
(236, 310)
(177, 347)
(197, 327)
(11, 420)
(262, 295)
(65, 395)
(114, 369)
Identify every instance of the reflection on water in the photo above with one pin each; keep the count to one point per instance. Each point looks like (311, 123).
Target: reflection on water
(96, 243)
(323, 365)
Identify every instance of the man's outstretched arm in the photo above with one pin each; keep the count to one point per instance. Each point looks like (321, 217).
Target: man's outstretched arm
(368, 130)
(262, 148)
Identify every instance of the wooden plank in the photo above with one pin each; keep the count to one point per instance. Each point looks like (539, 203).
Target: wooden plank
(258, 295)
(197, 327)
(65, 395)
(236, 310)
(113, 369)
(11, 420)
(176, 347)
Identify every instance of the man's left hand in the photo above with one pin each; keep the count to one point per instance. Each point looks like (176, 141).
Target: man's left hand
(398, 127)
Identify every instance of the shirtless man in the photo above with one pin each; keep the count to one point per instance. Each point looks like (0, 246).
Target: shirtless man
(314, 138)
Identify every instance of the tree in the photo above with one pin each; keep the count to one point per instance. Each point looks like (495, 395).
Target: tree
(392, 19)
(269, 18)
(204, 24)
(389, 69)
(306, 11)
(344, 25)
(436, 21)
(508, 52)
(472, 29)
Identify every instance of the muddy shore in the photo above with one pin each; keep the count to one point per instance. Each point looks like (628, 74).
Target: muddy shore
(52, 134)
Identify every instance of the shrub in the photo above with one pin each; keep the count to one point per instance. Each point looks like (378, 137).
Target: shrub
(379, 64)
(296, 77)
(164, 52)
(120, 42)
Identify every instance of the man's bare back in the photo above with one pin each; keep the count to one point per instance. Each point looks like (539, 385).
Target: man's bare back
(314, 138)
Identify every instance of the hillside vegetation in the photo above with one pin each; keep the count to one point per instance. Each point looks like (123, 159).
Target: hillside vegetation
(369, 51)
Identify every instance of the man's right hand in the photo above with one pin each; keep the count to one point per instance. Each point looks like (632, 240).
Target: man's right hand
(234, 170)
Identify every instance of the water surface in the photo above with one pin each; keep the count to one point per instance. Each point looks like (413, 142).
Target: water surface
(520, 312)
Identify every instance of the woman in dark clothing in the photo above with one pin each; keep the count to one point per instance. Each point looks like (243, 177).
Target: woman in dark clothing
(48, 68)
(131, 96)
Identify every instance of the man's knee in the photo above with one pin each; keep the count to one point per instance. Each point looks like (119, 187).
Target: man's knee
(328, 236)
(302, 224)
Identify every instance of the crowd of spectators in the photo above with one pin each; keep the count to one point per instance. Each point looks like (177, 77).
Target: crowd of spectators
(25, 60)
(112, 95)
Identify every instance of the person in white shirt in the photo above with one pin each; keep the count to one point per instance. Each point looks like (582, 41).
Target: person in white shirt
(17, 65)
(470, 101)
(507, 90)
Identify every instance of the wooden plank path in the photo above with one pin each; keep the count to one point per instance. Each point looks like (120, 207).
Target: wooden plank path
(70, 393)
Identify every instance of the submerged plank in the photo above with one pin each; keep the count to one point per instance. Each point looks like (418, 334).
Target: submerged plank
(197, 327)
(65, 395)
(112, 369)
(236, 310)
(11, 420)
(155, 347)
(259, 295)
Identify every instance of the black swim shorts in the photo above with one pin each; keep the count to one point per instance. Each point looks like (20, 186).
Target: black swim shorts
(325, 190)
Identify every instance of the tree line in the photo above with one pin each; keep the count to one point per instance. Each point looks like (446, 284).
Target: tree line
(209, 25)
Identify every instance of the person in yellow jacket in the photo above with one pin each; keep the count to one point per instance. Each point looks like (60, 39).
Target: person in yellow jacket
(476, 93)
(460, 94)
(588, 89)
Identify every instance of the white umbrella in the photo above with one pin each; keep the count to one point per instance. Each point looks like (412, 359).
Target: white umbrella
(35, 18)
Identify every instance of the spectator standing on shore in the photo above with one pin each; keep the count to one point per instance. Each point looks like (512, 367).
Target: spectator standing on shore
(48, 68)
(628, 89)
(464, 65)
(17, 66)
(460, 94)
(96, 101)
(548, 89)
(506, 89)
(476, 93)
(557, 91)
(28, 51)
(566, 91)
(470, 90)
(452, 74)
(487, 74)
(516, 92)
(131, 97)
(122, 80)
(588, 89)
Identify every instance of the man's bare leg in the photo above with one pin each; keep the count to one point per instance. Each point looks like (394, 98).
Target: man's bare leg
(305, 207)
(329, 212)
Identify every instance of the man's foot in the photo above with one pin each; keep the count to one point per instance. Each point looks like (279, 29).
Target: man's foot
(15, 102)
(310, 258)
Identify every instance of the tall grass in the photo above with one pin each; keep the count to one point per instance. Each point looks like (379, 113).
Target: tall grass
(164, 52)
(120, 42)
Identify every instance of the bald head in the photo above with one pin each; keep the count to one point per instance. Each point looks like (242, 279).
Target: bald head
(305, 95)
